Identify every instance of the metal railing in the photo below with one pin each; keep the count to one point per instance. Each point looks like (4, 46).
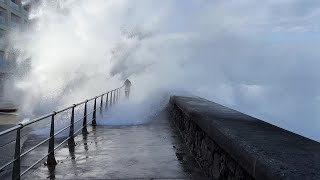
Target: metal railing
(112, 97)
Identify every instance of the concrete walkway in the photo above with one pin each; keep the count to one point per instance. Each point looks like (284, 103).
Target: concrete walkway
(7, 119)
(150, 151)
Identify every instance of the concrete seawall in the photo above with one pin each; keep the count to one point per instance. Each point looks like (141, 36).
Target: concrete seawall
(231, 145)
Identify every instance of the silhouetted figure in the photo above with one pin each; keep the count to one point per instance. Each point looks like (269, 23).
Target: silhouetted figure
(127, 86)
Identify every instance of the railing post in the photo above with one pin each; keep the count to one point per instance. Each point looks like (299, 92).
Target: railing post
(71, 130)
(107, 100)
(17, 152)
(94, 122)
(101, 104)
(84, 124)
(111, 98)
(51, 160)
(114, 97)
(119, 94)
(117, 97)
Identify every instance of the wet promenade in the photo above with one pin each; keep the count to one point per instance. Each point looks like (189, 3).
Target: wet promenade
(149, 151)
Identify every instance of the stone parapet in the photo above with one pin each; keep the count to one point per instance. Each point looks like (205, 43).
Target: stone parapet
(232, 145)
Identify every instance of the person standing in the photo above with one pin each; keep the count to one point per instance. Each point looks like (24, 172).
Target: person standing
(127, 86)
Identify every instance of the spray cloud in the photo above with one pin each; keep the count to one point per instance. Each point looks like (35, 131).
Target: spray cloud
(260, 58)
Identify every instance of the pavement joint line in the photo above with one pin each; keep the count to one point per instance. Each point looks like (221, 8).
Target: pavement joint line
(139, 146)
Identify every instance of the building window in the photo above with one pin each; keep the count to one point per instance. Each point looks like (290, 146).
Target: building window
(2, 34)
(26, 7)
(3, 13)
(15, 18)
(2, 40)
(2, 60)
(15, 21)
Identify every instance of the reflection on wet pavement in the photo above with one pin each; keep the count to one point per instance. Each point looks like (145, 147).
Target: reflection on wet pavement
(150, 151)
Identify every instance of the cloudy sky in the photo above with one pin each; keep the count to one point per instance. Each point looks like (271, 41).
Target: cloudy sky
(259, 57)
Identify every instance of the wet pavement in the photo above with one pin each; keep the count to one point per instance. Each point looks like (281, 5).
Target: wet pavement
(7, 119)
(149, 151)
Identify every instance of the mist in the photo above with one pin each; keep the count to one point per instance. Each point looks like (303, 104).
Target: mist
(260, 58)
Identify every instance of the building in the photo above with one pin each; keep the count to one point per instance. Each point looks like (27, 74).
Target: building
(13, 15)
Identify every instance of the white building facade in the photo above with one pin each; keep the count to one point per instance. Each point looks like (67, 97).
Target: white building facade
(13, 15)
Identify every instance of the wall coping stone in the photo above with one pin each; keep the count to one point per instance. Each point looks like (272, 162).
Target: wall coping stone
(265, 151)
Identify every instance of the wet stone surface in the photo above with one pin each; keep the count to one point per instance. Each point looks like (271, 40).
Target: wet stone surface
(150, 151)
(215, 162)
(231, 145)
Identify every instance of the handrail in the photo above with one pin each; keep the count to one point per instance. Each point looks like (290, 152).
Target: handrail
(112, 97)
(10, 130)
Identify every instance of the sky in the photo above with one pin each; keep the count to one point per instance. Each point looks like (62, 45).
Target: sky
(258, 57)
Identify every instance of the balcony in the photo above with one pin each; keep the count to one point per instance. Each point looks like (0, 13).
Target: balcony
(14, 6)
(25, 12)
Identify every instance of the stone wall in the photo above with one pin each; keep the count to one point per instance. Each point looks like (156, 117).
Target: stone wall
(216, 163)
(231, 145)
